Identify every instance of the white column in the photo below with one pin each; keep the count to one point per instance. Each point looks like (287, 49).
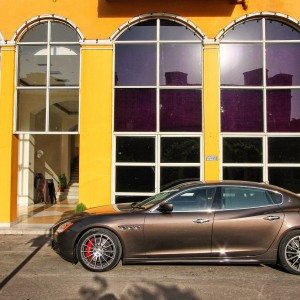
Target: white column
(26, 170)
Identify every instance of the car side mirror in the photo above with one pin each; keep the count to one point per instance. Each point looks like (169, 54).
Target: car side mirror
(165, 208)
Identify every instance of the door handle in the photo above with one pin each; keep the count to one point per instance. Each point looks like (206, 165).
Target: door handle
(201, 221)
(271, 218)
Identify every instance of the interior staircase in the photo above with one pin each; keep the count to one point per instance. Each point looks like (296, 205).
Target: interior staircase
(72, 191)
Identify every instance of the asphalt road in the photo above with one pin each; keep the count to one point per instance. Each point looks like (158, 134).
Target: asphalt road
(29, 269)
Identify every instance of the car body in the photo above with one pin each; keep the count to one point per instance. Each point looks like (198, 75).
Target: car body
(197, 222)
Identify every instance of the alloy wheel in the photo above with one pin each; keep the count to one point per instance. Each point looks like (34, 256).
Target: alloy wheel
(292, 253)
(98, 251)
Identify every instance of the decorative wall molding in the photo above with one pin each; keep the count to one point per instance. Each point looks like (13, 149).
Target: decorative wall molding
(150, 16)
(42, 18)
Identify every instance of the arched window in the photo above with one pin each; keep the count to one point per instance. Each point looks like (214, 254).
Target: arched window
(157, 108)
(48, 79)
(260, 102)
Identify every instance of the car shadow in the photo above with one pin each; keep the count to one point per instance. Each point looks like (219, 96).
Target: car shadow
(146, 290)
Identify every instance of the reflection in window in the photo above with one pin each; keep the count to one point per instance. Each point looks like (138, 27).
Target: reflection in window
(126, 199)
(243, 173)
(142, 31)
(180, 149)
(177, 64)
(37, 33)
(194, 200)
(158, 77)
(61, 32)
(135, 64)
(283, 109)
(245, 31)
(284, 150)
(241, 110)
(242, 150)
(40, 72)
(273, 109)
(171, 176)
(135, 149)
(280, 31)
(32, 65)
(64, 109)
(283, 64)
(241, 198)
(135, 179)
(180, 110)
(64, 65)
(173, 31)
(31, 110)
(288, 178)
(135, 110)
(241, 64)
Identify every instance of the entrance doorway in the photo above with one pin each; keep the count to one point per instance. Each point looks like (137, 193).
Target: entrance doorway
(48, 177)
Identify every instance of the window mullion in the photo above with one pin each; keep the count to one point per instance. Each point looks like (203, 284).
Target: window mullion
(48, 77)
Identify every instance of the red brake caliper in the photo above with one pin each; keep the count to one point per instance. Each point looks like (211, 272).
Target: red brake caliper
(89, 249)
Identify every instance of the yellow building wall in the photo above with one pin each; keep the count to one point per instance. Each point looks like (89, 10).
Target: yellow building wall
(211, 111)
(99, 19)
(95, 125)
(8, 142)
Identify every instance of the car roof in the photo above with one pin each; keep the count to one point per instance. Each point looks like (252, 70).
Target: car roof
(191, 184)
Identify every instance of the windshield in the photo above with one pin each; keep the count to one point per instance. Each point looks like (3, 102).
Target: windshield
(153, 200)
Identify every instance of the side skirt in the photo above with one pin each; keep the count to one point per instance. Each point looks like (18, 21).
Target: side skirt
(196, 260)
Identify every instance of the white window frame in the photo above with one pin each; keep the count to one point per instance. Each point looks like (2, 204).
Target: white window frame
(47, 88)
(265, 135)
(156, 134)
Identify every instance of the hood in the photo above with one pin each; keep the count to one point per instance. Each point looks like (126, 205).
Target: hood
(110, 209)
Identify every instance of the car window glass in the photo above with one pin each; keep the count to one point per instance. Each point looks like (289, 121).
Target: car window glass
(276, 198)
(194, 200)
(239, 197)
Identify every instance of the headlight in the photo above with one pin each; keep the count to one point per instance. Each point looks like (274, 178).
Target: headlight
(63, 227)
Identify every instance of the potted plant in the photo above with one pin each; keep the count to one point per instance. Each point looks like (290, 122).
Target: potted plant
(62, 182)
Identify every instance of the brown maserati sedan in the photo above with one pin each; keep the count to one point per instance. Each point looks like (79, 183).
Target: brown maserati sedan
(195, 222)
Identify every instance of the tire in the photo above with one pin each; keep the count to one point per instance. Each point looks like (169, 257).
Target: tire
(99, 250)
(289, 252)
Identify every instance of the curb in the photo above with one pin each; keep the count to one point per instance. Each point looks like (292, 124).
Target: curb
(35, 230)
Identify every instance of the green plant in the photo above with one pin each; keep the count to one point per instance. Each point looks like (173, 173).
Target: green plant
(62, 182)
(80, 207)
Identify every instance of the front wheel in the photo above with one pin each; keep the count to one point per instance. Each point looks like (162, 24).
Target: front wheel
(99, 250)
(289, 252)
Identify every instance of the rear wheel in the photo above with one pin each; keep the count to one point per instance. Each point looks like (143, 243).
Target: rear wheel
(99, 250)
(289, 252)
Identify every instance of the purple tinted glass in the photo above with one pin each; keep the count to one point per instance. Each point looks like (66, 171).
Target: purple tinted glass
(141, 31)
(135, 110)
(283, 64)
(283, 109)
(280, 31)
(135, 64)
(241, 64)
(246, 31)
(180, 110)
(241, 110)
(170, 30)
(180, 64)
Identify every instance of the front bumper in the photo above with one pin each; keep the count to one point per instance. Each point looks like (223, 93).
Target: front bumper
(63, 245)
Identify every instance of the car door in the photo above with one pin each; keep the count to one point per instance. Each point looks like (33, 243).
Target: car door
(247, 221)
(186, 231)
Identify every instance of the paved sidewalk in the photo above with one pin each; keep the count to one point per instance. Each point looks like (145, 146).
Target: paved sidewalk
(39, 218)
(29, 269)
